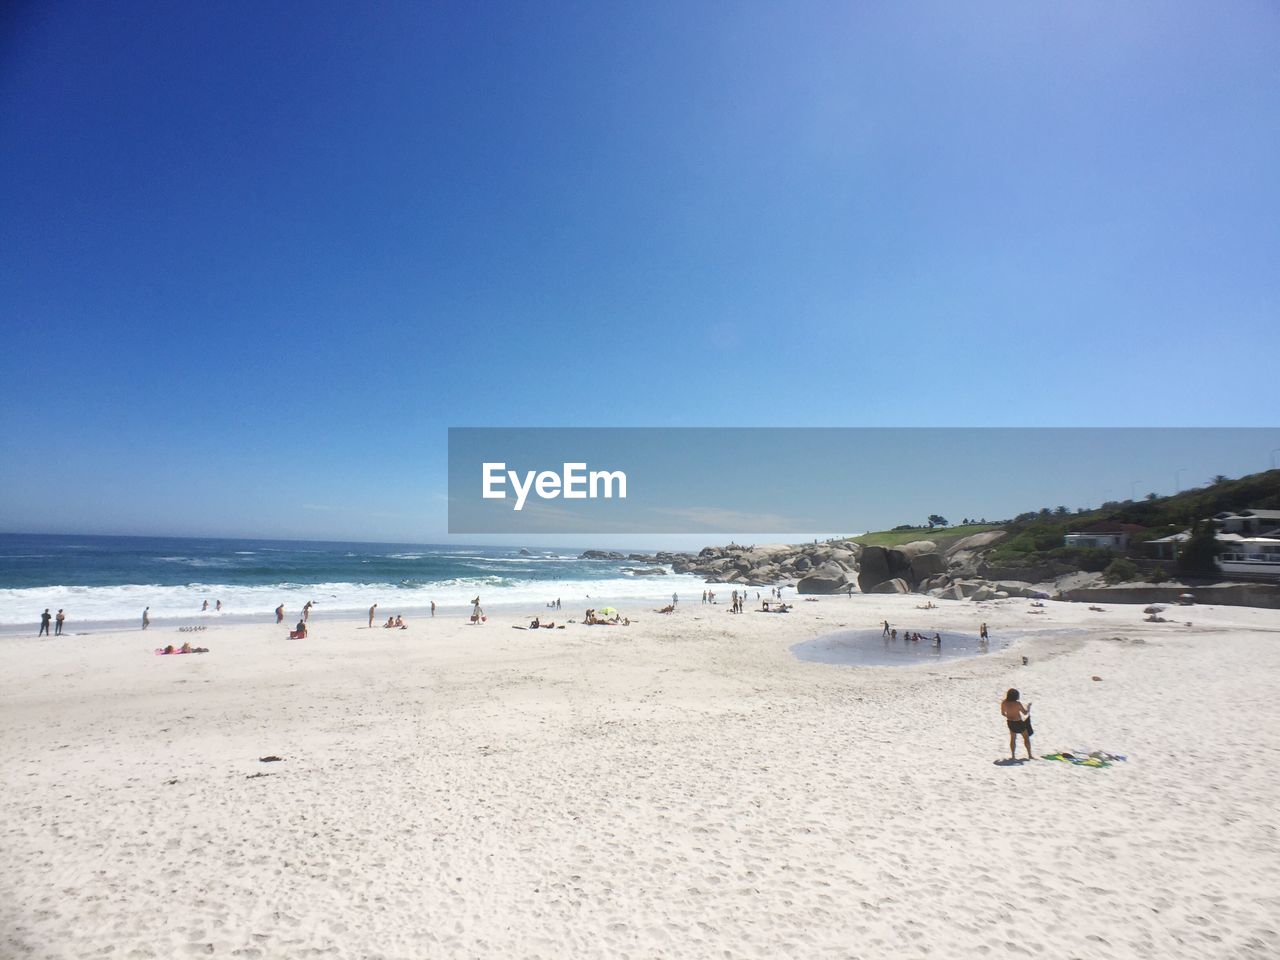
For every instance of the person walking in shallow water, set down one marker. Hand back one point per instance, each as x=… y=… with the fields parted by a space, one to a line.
x=44 y=623
x=1018 y=718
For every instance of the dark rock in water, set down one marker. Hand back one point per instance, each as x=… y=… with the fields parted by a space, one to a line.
x=525 y=553
x=645 y=571
x=601 y=555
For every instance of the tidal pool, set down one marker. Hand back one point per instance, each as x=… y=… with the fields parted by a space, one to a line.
x=870 y=648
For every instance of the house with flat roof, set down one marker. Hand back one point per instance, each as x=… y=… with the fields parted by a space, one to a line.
x=1248 y=543
x=1249 y=523
x=1104 y=535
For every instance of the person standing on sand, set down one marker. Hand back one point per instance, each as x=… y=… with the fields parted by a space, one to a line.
x=373 y=612
x=57 y=623
x=44 y=623
x=674 y=599
x=146 y=618
x=306 y=611
x=885 y=631
x=1018 y=717
x=280 y=614
x=433 y=608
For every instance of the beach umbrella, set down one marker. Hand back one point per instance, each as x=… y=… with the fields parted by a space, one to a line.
x=607 y=612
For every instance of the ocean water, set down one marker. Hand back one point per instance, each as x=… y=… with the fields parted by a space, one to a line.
x=109 y=580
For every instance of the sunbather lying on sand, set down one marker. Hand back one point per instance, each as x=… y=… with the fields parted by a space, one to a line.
x=185 y=648
x=669 y=608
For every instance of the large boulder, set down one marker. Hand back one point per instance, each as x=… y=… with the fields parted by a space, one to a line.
x=977 y=541
x=895 y=585
x=926 y=565
x=917 y=547
x=873 y=568
x=823 y=585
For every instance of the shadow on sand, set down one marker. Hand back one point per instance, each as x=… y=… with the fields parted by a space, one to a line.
x=1006 y=762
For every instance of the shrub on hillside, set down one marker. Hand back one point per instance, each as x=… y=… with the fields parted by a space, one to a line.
x=1120 y=570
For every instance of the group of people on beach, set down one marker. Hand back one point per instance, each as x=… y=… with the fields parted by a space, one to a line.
x=217 y=606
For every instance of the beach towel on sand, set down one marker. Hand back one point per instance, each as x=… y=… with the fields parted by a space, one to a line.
x=1086 y=758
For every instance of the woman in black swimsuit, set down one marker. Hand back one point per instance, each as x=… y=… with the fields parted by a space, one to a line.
x=1018 y=717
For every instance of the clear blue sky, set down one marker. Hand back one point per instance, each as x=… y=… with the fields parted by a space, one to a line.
x=256 y=258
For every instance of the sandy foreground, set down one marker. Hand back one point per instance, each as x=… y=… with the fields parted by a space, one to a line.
x=683 y=787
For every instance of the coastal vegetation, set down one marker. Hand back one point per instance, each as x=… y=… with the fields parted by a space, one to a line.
x=1035 y=540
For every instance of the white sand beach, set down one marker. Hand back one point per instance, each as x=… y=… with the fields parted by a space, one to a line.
x=683 y=787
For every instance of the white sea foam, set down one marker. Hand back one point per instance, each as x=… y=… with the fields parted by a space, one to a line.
x=125 y=603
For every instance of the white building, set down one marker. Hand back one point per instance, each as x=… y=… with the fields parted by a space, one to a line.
x=1249 y=523
x=1106 y=535
x=1248 y=543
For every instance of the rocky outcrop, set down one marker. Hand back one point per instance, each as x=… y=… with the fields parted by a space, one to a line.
x=645 y=571
x=965 y=556
x=834 y=561
x=600 y=555
x=912 y=563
